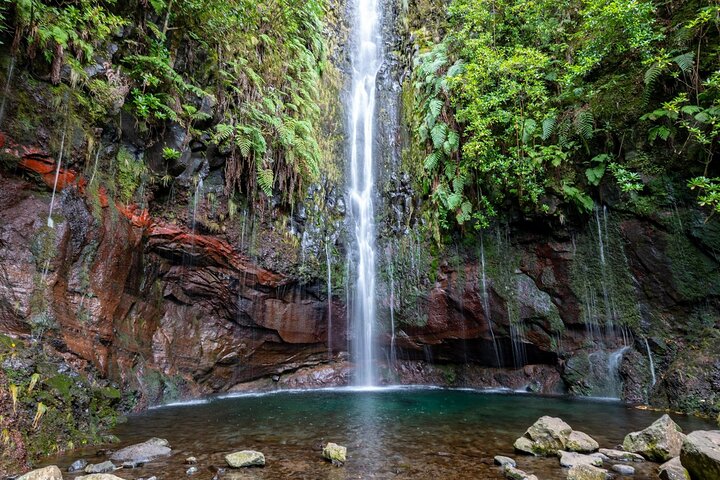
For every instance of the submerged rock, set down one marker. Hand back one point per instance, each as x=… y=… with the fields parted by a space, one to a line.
x=624 y=469
x=103 y=467
x=587 y=472
x=99 y=476
x=581 y=442
x=245 y=458
x=659 y=442
x=335 y=453
x=77 y=466
x=673 y=470
x=700 y=454
x=517 y=474
x=621 y=455
x=48 y=473
x=571 y=459
x=502 y=461
x=546 y=436
x=143 y=452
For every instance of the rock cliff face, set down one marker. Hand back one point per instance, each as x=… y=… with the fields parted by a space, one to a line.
x=175 y=297
x=168 y=311
x=151 y=305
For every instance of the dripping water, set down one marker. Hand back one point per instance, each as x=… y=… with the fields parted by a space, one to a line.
x=6 y=91
x=329 y=297
x=486 y=303
x=652 y=363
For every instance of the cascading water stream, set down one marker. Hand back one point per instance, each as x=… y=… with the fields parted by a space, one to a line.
x=366 y=62
x=329 y=297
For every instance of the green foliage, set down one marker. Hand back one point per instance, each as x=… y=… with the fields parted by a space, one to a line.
x=131 y=172
x=545 y=100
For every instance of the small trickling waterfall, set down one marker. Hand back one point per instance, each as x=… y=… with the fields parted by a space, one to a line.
x=329 y=296
x=605 y=372
x=652 y=363
x=6 y=90
x=391 y=268
x=486 y=303
x=366 y=62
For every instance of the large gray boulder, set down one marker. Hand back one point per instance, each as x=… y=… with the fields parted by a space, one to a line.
x=143 y=452
x=48 y=473
x=700 y=455
x=571 y=459
x=673 y=470
x=587 y=472
x=659 y=442
x=245 y=458
x=581 y=442
x=545 y=437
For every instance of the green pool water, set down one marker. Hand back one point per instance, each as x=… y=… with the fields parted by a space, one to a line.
x=404 y=433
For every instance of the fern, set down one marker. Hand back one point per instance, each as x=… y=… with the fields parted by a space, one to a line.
x=548 y=127
x=265 y=179
x=435 y=106
x=686 y=62
x=584 y=124
x=439 y=134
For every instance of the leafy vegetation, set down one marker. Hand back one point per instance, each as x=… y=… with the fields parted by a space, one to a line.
x=242 y=74
x=537 y=106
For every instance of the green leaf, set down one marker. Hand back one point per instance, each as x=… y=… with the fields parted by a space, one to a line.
x=439 y=134
x=595 y=174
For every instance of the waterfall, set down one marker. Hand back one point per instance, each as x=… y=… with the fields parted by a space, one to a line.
x=329 y=296
x=365 y=62
x=486 y=303
x=652 y=363
x=393 y=354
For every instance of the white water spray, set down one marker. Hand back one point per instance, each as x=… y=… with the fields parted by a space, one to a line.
x=366 y=62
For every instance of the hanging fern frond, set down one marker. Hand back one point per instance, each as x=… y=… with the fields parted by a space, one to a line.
x=686 y=62
x=265 y=179
x=585 y=124
x=548 y=127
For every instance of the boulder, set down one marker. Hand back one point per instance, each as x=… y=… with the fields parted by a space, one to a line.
x=673 y=470
x=700 y=454
x=77 y=466
x=659 y=442
x=621 y=455
x=143 y=452
x=587 y=472
x=516 y=474
x=335 y=453
x=48 y=473
x=502 y=461
x=624 y=469
x=245 y=458
x=581 y=442
x=546 y=436
x=103 y=467
x=571 y=459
